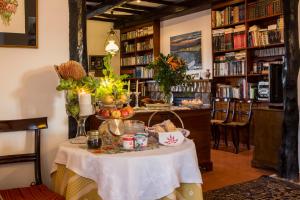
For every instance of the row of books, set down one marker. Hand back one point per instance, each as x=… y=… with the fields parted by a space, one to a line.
x=138 y=72
x=229 y=91
x=228 y=39
x=128 y=61
x=263 y=8
x=128 y=48
x=229 y=15
x=265 y=36
x=263 y=67
x=231 y=64
x=277 y=51
x=148 y=44
x=148 y=30
x=144 y=59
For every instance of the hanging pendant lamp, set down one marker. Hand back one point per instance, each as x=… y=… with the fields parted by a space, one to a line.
x=111 y=43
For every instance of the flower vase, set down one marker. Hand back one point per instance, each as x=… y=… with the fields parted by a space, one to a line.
x=168 y=98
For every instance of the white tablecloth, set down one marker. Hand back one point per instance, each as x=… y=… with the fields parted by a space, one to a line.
x=145 y=175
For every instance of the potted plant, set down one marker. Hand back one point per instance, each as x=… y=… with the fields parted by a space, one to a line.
x=169 y=71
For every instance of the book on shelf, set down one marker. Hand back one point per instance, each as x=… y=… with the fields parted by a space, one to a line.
x=144 y=59
x=252 y=91
x=142 y=72
x=263 y=67
x=229 y=15
x=230 y=64
x=273 y=34
x=228 y=39
x=264 y=8
x=148 y=30
x=277 y=51
x=128 y=61
x=128 y=48
x=230 y=91
x=145 y=45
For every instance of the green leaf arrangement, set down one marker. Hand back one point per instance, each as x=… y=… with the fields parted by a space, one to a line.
x=169 y=71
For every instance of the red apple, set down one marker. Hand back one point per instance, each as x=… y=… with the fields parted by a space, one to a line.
x=129 y=110
x=124 y=113
x=105 y=113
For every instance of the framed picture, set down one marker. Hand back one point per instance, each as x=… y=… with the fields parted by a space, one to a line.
x=96 y=64
x=188 y=47
x=19 y=23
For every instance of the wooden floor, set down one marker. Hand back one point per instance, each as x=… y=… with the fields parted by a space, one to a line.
x=230 y=168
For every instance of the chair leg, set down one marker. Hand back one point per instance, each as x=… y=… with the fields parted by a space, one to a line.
x=233 y=135
x=218 y=136
x=248 y=137
x=237 y=140
x=214 y=135
x=225 y=136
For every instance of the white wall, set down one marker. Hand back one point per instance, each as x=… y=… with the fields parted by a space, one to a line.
x=200 y=21
x=96 y=37
x=27 y=89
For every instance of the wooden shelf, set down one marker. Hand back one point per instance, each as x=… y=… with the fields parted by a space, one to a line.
x=227 y=3
x=228 y=51
x=144 y=51
x=267 y=46
x=231 y=76
x=137 y=38
x=229 y=25
x=128 y=53
x=257 y=75
x=264 y=18
x=130 y=66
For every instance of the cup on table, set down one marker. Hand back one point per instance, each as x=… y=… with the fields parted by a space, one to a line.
x=140 y=140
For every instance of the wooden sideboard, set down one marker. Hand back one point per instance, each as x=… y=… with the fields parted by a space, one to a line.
x=267 y=128
x=197 y=121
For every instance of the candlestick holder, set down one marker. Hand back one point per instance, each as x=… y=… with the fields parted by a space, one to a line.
x=136 y=99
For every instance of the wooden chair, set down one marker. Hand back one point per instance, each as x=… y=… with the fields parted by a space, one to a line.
x=241 y=119
x=219 y=115
x=37 y=191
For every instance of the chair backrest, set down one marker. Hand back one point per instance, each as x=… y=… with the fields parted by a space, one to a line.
x=220 y=108
x=243 y=111
x=34 y=124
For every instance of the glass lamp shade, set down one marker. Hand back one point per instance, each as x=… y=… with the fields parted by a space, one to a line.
x=111 y=47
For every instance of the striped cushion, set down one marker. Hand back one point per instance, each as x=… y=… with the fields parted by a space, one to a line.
x=37 y=192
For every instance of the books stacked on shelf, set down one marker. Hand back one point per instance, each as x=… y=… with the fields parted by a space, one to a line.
x=142 y=72
x=144 y=59
x=128 y=61
x=264 y=8
x=229 y=91
x=265 y=36
x=252 y=91
x=128 y=35
x=148 y=30
x=231 y=64
x=145 y=45
x=263 y=67
x=128 y=48
x=229 y=39
x=277 y=51
x=129 y=72
x=229 y=15
x=239 y=38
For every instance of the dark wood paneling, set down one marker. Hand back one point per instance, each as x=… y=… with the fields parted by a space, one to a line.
x=197 y=121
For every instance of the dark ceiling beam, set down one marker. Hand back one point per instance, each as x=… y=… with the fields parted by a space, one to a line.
x=126 y=10
x=162 y=2
x=165 y=13
x=115 y=16
x=102 y=19
x=137 y=7
x=104 y=6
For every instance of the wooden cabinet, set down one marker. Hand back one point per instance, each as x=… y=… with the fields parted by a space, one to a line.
x=267 y=128
x=197 y=121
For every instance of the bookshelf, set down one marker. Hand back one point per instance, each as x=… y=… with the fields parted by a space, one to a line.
x=139 y=46
x=247 y=37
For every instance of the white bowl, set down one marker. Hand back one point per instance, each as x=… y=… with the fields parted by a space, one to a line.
x=171 y=138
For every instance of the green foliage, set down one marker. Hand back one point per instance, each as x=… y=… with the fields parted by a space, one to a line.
x=169 y=71
x=110 y=84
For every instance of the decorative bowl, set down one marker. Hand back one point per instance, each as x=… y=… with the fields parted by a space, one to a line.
x=114 y=111
x=171 y=138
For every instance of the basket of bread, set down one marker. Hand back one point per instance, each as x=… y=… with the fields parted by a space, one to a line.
x=167 y=133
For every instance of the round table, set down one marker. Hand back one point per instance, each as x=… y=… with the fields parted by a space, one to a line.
x=138 y=175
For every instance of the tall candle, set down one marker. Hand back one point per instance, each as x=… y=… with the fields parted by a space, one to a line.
x=85 y=104
x=137 y=86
